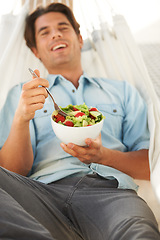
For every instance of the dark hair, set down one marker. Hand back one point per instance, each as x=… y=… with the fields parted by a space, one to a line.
x=29 y=33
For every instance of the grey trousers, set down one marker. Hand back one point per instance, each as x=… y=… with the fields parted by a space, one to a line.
x=76 y=208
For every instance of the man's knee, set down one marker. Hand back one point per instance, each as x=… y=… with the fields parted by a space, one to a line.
x=136 y=228
x=16 y=223
x=5 y=177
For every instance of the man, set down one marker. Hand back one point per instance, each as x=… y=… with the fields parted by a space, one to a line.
x=67 y=191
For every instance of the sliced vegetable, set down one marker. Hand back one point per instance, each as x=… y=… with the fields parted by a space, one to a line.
x=78 y=116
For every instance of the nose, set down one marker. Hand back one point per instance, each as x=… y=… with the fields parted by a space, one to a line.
x=56 y=33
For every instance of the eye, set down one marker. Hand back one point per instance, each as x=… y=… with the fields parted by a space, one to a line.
x=44 y=33
x=63 y=28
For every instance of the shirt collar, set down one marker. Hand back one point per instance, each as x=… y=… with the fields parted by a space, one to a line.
x=91 y=79
x=54 y=78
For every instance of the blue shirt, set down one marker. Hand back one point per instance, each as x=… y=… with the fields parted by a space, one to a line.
x=125 y=126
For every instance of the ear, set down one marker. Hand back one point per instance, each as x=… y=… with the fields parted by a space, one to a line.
x=35 y=52
x=80 y=41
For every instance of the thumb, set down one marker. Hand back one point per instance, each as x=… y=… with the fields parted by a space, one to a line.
x=94 y=143
x=89 y=142
x=37 y=72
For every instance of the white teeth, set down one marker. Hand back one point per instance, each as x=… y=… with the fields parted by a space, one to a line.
x=59 y=46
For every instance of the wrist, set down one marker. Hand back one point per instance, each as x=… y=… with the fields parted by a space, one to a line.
x=19 y=121
x=103 y=155
x=107 y=156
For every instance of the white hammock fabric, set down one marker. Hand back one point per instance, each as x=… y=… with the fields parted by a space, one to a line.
x=108 y=52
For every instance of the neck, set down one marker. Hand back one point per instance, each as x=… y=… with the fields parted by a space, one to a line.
x=71 y=75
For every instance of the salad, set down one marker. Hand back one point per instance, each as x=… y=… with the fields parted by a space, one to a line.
x=78 y=116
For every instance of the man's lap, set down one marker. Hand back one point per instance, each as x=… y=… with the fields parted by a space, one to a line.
x=80 y=208
x=110 y=213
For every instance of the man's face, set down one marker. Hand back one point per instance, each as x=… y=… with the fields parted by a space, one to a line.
x=57 y=44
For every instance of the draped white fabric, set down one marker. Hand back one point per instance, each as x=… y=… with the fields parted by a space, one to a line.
x=109 y=51
x=15 y=58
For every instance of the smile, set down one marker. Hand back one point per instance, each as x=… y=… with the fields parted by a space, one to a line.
x=59 y=46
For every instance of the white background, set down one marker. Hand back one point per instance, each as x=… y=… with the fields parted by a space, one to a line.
x=143 y=16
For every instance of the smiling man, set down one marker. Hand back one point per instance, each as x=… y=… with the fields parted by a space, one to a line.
x=50 y=190
x=57 y=45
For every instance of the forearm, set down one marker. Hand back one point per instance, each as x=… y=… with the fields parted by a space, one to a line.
x=135 y=164
x=17 y=155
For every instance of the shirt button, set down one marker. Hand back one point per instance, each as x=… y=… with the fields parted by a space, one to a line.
x=114 y=110
x=73 y=90
x=45 y=111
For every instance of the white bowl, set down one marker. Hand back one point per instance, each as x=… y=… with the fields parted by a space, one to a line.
x=76 y=135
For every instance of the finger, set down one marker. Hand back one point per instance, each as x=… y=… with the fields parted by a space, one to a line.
x=31 y=109
x=35 y=83
x=80 y=150
x=36 y=100
x=93 y=143
x=34 y=92
x=37 y=72
x=72 y=149
x=68 y=150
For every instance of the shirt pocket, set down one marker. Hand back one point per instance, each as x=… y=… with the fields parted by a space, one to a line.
x=113 y=122
x=45 y=111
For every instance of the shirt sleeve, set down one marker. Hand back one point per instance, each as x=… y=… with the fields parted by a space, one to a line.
x=7 y=114
x=135 y=125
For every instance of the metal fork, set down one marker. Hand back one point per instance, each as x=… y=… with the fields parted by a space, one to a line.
x=50 y=94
